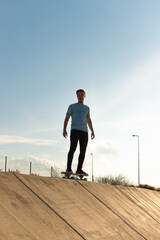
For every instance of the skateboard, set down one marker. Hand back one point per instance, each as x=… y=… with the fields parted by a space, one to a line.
x=71 y=176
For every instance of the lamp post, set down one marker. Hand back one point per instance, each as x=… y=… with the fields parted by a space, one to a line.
x=138 y=159
x=92 y=168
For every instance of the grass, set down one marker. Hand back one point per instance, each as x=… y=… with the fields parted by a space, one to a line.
x=115 y=180
x=123 y=181
x=13 y=171
x=146 y=186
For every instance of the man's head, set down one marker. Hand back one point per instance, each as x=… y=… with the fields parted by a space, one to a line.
x=80 y=95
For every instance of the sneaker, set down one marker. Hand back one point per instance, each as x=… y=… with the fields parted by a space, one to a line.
x=81 y=172
x=69 y=171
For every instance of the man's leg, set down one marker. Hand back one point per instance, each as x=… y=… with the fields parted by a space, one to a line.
x=73 y=145
x=83 y=141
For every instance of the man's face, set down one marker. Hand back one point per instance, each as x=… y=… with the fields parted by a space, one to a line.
x=80 y=97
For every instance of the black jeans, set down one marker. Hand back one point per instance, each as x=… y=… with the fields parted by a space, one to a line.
x=82 y=137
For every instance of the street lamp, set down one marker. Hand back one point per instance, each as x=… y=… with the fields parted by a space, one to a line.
x=138 y=159
x=92 y=168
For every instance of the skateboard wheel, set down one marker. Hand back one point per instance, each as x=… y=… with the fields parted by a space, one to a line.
x=85 y=179
x=72 y=177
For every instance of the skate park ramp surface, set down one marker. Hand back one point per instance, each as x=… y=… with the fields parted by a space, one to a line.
x=38 y=208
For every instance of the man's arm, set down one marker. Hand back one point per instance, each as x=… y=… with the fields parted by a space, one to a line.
x=65 y=126
x=89 y=121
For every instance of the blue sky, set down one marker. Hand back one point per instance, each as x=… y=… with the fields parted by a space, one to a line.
x=49 y=49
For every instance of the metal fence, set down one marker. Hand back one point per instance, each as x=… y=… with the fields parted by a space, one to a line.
x=28 y=167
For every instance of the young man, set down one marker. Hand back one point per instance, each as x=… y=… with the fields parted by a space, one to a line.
x=79 y=131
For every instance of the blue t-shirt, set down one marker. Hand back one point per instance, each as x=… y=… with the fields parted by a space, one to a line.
x=79 y=114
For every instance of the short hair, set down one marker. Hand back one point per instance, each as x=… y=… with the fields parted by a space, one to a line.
x=82 y=91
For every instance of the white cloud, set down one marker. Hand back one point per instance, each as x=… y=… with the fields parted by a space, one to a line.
x=45 y=160
x=104 y=147
x=105 y=154
x=44 y=130
x=6 y=139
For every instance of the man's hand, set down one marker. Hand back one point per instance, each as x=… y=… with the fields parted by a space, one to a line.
x=65 y=126
x=92 y=135
x=89 y=121
x=65 y=133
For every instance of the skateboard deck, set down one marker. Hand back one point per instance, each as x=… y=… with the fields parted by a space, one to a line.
x=67 y=175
